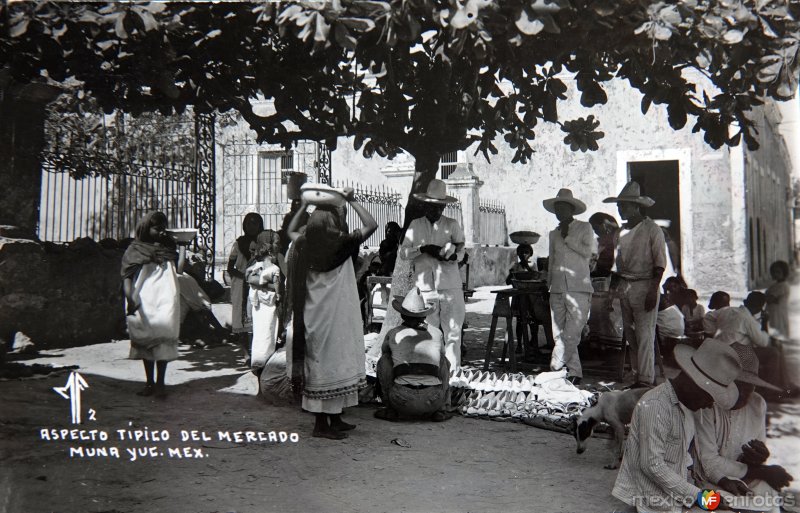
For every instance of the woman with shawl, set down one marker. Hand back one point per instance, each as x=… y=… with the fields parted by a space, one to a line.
x=240 y=258
x=328 y=340
x=152 y=294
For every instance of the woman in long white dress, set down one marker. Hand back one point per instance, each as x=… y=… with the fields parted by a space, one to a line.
x=328 y=335
x=150 y=268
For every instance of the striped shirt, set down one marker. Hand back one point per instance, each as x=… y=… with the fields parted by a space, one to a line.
x=654 y=471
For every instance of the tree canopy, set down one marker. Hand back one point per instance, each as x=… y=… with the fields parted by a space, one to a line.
x=423 y=76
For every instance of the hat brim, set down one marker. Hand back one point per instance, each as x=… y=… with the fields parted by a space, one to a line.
x=749 y=377
x=397 y=304
x=725 y=396
x=421 y=196
x=644 y=201
x=550 y=204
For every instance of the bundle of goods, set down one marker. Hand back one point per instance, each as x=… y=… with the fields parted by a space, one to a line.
x=546 y=400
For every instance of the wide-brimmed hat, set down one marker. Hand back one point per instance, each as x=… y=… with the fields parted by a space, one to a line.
x=413 y=305
x=632 y=193
x=564 y=196
x=749 y=361
x=714 y=366
x=436 y=193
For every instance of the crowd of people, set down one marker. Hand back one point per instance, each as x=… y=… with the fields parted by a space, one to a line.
x=295 y=292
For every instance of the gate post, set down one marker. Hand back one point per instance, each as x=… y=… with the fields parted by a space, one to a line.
x=205 y=205
x=22 y=109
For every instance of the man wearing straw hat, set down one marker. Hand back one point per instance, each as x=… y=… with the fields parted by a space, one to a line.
x=435 y=244
x=413 y=372
x=640 y=261
x=653 y=476
x=572 y=245
x=730 y=443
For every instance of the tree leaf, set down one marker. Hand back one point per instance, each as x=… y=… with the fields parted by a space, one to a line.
x=528 y=26
x=358 y=24
x=20 y=28
x=733 y=36
x=647 y=100
x=148 y=20
x=676 y=115
x=119 y=27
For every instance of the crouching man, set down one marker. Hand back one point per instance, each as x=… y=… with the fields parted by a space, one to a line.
x=654 y=475
x=413 y=372
x=732 y=453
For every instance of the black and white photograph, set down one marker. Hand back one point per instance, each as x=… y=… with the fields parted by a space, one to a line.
x=400 y=256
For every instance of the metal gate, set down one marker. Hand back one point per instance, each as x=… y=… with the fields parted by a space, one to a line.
x=255 y=179
x=113 y=194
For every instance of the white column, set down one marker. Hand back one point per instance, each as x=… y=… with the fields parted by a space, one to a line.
x=465 y=185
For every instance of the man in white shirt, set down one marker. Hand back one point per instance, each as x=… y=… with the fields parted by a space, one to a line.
x=572 y=246
x=740 y=324
x=730 y=444
x=640 y=260
x=435 y=244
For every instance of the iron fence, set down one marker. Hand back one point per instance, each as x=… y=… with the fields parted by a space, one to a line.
x=453 y=210
x=109 y=206
x=113 y=191
x=493 y=229
x=383 y=203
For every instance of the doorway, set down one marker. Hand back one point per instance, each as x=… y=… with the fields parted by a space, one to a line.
x=660 y=180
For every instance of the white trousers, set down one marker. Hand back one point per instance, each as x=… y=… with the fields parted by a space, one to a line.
x=570 y=312
x=448 y=315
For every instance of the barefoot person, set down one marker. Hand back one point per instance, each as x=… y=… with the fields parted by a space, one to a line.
x=327 y=333
x=150 y=268
x=413 y=371
x=572 y=246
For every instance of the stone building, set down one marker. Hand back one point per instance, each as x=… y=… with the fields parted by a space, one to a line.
x=729 y=208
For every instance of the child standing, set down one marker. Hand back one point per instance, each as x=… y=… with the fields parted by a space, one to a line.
x=152 y=294
x=241 y=255
x=264 y=276
x=692 y=312
x=778 y=297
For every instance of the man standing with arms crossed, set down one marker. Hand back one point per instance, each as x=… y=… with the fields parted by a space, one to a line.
x=640 y=261
x=572 y=245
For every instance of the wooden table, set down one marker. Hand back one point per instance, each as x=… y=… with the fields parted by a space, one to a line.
x=502 y=308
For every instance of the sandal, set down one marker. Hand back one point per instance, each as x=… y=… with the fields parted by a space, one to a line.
x=342 y=426
x=161 y=391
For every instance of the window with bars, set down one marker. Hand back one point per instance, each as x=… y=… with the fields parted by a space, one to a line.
x=447 y=165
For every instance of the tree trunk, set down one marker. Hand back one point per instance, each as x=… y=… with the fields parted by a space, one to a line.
x=426 y=167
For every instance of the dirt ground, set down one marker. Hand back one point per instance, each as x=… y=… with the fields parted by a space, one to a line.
x=462 y=465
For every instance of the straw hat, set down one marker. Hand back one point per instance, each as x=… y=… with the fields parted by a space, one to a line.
x=436 y=193
x=412 y=305
x=564 y=196
x=714 y=367
x=631 y=193
x=749 y=360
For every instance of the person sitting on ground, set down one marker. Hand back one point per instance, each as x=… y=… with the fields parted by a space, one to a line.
x=730 y=443
x=719 y=300
x=740 y=324
x=653 y=475
x=388 y=248
x=670 y=321
x=413 y=372
x=692 y=312
x=778 y=298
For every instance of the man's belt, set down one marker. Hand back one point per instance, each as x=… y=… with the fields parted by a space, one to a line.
x=419 y=369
